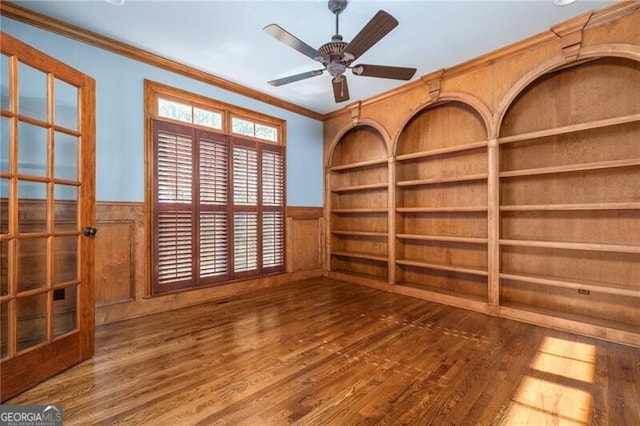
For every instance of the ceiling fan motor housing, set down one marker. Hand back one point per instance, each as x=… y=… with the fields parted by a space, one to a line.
x=333 y=56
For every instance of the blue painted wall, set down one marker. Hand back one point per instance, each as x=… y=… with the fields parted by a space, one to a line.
x=120 y=118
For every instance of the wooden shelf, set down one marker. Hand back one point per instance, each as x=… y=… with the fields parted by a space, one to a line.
x=358 y=211
x=572 y=168
x=361 y=234
x=441 y=295
x=571 y=129
x=441 y=151
x=611 y=248
x=360 y=256
x=360 y=165
x=442 y=267
x=441 y=209
x=355 y=188
x=435 y=181
x=573 y=284
x=472 y=240
x=621 y=332
x=569 y=207
x=375 y=281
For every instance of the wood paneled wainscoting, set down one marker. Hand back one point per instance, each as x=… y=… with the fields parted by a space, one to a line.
x=122 y=286
x=322 y=352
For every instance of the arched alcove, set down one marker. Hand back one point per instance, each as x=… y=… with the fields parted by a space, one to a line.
x=358 y=198
x=441 y=204
x=570 y=197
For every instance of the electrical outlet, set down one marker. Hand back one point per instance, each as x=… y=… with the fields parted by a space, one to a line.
x=58 y=294
x=584 y=292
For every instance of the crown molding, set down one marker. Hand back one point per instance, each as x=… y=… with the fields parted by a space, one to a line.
x=44 y=22
x=584 y=21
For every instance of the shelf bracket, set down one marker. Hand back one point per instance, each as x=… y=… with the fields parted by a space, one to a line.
x=570 y=34
x=432 y=81
x=355 y=110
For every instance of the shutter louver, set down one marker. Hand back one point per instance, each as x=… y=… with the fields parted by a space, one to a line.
x=175 y=167
x=245 y=242
x=214 y=244
x=213 y=172
x=175 y=246
x=245 y=176
x=272 y=178
x=272 y=239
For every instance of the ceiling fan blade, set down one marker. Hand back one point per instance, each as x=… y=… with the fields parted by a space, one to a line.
x=340 y=89
x=382 y=71
x=378 y=27
x=297 y=77
x=278 y=33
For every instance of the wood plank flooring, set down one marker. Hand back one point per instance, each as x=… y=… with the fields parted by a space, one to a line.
x=323 y=352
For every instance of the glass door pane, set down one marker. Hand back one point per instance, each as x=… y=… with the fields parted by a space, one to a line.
x=32 y=321
x=4 y=81
x=66 y=102
x=64 y=310
x=4 y=144
x=32 y=92
x=65 y=163
x=32 y=263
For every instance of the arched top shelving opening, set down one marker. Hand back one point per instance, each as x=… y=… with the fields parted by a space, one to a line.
x=569 y=197
x=596 y=92
x=441 y=126
x=359 y=144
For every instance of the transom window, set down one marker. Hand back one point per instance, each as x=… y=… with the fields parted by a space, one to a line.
x=217 y=193
x=244 y=127
x=189 y=114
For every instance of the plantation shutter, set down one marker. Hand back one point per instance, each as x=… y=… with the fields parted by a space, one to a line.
x=174 y=248
x=219 y=207
x=273 y=210
x=245 y=206
x=213 y=217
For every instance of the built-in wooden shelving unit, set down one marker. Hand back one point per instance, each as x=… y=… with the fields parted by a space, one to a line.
x=358 y=195
x=512 y=185
x=570 y=200
x=441 y=184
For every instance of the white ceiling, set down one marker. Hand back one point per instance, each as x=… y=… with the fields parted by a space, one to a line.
x=225 y=38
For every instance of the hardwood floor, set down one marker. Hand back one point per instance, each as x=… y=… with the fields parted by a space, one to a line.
x=326 y=352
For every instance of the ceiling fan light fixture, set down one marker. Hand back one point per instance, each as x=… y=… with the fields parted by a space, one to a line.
x=336 y=69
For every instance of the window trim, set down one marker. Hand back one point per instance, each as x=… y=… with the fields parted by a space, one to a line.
x=152 y=92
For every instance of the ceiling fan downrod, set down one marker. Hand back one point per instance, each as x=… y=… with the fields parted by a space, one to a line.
x=337 y=7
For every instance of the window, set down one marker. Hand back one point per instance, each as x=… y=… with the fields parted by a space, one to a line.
x=218 y=196
x=189 y=114
x=244 y=127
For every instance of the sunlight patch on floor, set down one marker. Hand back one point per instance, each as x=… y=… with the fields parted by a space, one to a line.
x=542 y=402
x=538 y=401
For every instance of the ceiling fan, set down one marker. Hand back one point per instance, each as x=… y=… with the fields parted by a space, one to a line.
x=337 y=55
